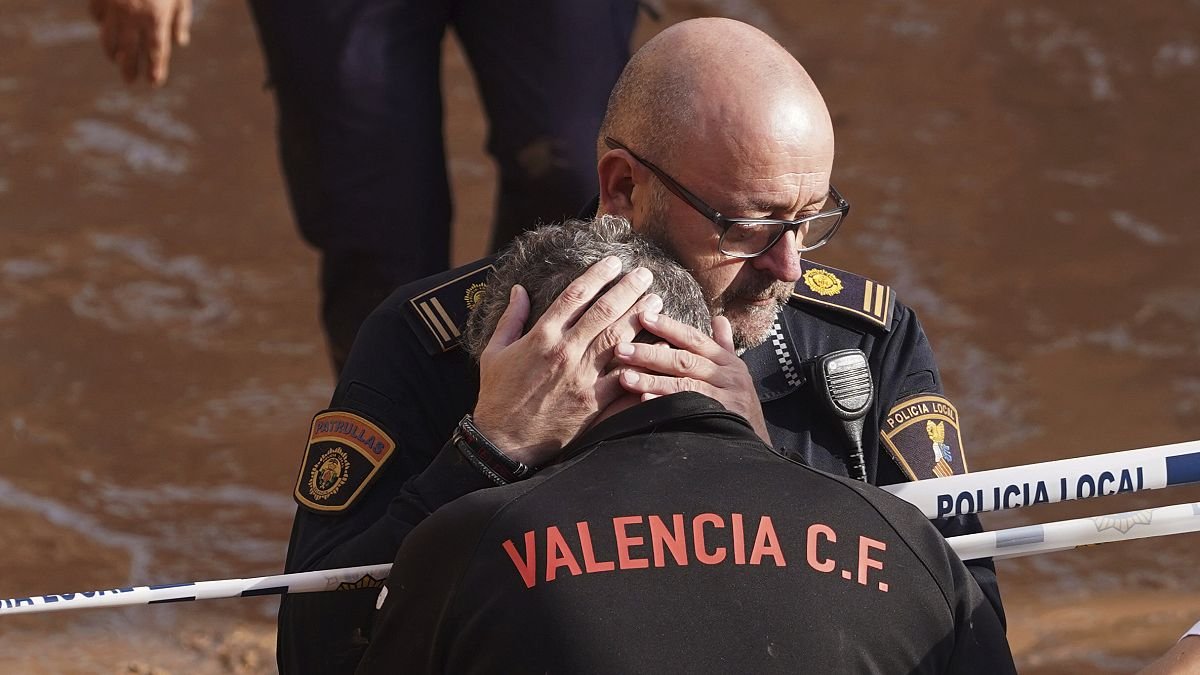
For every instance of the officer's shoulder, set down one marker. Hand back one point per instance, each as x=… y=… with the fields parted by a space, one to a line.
x=861 y=501
x=436 y=307
x=829 y=293
x=846 y=495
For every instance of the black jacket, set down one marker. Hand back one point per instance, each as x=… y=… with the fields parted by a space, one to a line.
x=407 y=382
x=673 y=540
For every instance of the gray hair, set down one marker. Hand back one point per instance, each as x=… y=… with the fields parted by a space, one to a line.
x=544 y=261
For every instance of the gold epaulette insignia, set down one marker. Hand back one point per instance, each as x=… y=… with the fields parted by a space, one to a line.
x=830 y=287
x=443 y=310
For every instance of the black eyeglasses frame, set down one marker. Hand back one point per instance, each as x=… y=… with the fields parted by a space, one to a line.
x=724 y=223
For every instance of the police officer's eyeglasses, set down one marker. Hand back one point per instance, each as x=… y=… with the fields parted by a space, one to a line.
x=752 y=237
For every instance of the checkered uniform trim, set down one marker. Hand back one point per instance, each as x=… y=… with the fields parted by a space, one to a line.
x=783 y=352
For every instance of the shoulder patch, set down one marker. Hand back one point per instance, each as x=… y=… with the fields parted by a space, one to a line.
x=345 y=451
x=830 y=287
x=921 y=433
x=439 y=314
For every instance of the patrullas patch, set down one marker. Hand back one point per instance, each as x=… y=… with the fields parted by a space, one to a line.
x=345 y=451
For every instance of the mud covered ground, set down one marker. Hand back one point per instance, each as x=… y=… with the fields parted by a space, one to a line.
x=1022 y=174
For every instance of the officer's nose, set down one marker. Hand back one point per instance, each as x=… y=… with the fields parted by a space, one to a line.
x=782 y=260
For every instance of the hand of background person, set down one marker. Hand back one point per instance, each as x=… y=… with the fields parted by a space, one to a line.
x=137 y=34
x=539 y=390
x=695 y=362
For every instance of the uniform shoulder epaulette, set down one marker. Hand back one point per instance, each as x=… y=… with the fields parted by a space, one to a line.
x=438 y=313
x=845 y=292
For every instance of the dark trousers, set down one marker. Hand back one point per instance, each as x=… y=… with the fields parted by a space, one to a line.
x=357 y=83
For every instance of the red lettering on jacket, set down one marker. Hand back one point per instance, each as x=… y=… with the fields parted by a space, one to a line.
x=815 y=530
x=590 y=564
x=625 y=542
x=674 y=540
x=526 y=564
x=865 y=544
x=739 y=539
x=668 y=538
x=558 y=554
x=702 y=553
x=766 y=544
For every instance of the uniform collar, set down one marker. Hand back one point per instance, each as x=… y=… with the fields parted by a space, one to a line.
x=775 y=364
x=701 y=414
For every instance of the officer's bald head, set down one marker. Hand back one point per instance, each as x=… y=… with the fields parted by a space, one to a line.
x=707 y=81
x=544 y=261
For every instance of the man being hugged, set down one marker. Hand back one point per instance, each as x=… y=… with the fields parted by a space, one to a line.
x=669 y=537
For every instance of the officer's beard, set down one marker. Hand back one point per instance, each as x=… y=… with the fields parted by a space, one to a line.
x=751 y=306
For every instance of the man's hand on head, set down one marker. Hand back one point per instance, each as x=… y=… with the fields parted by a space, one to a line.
x=137 y=35
x=537 y=391
x=695 y=362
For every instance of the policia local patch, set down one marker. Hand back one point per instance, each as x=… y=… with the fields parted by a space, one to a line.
x=345 y=451
x=921 y=433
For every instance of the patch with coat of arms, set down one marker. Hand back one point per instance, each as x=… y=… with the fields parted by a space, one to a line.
x=345 y=451
x=922 y=435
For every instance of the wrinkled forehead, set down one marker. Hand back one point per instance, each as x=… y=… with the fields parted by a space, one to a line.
x=773 y=158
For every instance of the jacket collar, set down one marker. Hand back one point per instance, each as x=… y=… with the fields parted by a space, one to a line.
x=700 y=413
x=775 y=364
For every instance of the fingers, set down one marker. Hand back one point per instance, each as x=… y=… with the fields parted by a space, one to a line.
x=676 y=363
x=688 y=338
x=182 y=26
x=512 y=322
x=649 y=385
x=624 y=329
x=723 y=333
x=570 y=304
x=138 y=36
x=698 y=364
x=158 y=52
x=612 y=306
x=608 y=388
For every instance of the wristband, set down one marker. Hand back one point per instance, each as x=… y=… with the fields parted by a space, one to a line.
x=485 y=456
x=1194 y=631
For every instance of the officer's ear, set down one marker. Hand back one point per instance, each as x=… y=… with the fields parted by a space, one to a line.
x=616 y=170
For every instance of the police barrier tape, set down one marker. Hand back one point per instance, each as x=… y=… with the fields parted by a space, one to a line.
x=1010 y=543
x=996 y=489
x=1056 y=481
x=304 y=582
x=1067 y=534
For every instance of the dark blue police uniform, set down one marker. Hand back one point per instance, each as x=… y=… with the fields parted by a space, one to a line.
x=364 y=484
x=357 y=86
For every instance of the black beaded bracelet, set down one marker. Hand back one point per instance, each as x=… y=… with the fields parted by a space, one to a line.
x=485 y=456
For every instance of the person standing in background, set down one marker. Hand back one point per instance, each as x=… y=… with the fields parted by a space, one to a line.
x=358 y=92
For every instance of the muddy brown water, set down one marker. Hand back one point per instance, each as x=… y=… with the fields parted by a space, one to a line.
x=1023 y=174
